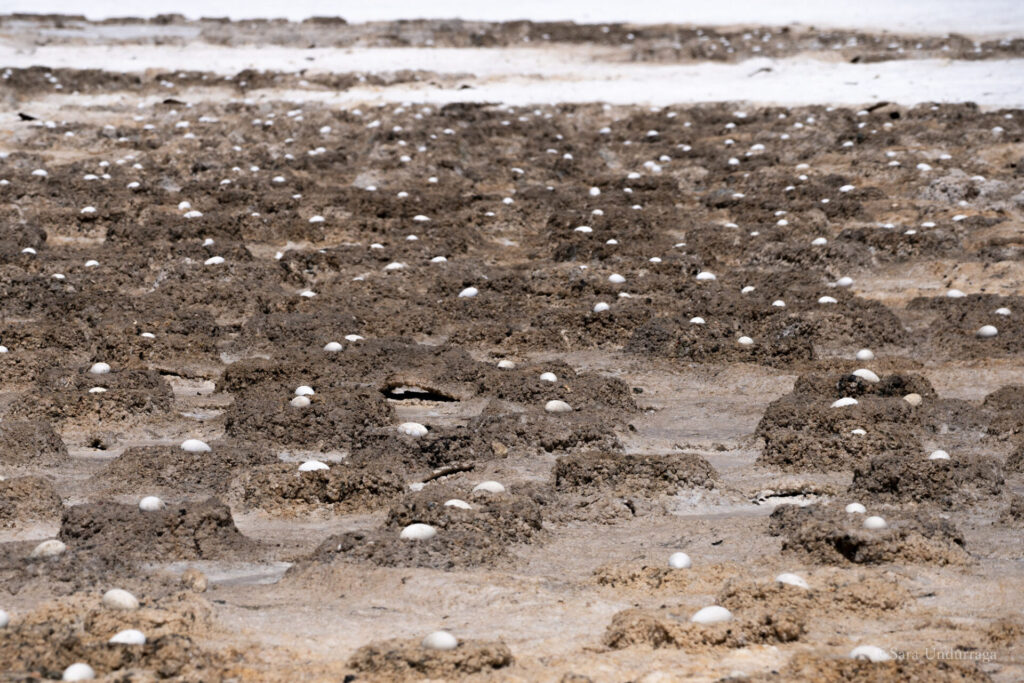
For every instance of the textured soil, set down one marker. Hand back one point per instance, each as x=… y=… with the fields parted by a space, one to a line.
x=207 y=236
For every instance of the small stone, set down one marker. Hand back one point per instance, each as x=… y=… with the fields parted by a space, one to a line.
x=714 y=614
x=557 y=406
x=116 y=598
x=440 y=640
x=418 y=532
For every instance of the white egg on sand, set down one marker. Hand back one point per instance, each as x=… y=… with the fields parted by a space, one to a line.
x=939 y=455
x=300 y=402
x=413 y=429
x=870 y=653
x=313 y=466
x=117 y=598
x=867 y=375
x=151 y=504
x=458 y=503
x=844 y=402
x=789 y=579
x=557 y=406
x=418 y=532
x=468 y=293
x=856 y=509
x=5 y=619
x=440 y=640
x=713 y=614
x=875 y=523
x=99 y=369
x=79 y=671
x=679 y=561
x=332 y=347
x=865 y=354
x=548 y=377
x=128 y=636
x=986 y=332
x=195 y=446
x=489 y=487
x=50 y=548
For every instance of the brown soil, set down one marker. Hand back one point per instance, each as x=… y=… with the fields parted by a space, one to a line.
x=400 y=660
x=28 y=499
x=898 y=478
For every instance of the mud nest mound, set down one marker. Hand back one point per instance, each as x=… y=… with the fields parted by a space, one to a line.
x=830 y=592
x=281 y=487
x=826 y=535
x=482 y=535
x=31 y=443
x=409 y=660
x=622 y=474
x=185 y=531
x=28 y=499
x=668 y=628
x=169 y=471
x=808 y=667
x=900 y=479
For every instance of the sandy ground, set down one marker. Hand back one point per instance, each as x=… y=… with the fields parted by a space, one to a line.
x=564 y=577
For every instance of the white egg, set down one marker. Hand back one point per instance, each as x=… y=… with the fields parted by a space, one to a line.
x=332 y=347
x=304 y=391
x=414 y=429
x=827 y=300
x=557 y=406
x=1002 y=311
x=844 y=282
x=468 y=293
x=955 y=294
x=300 y=402
x=147 y=335
x=986 y=331
x=79 y=671
x=913 y=399
x=418 y=532
x=870 y=653
x=214 y=261
x=705 y=275
x=98 y=390
x=748 y=289
x=858 y=431
x=856 y=509
x=307 y=293
x=440 y=640
x=866 y=375
x=548 y=377
x=439 y=259
x=679 y=561
x=313 y=466
x=506 y=365
x=843 y=402
x=99 y=369
x=713 y=614
x=779 y=303
x=791 y=580
x=195 y=446
x=489 y=487
x=4 y=619
x=697 y=320
x=50 y=548
x=745 y=341
x=117 y=598
x=457 y=503
x=353 y=338
x=819 y=241
x=865 y=354
x=616 y=279
x=939 y=455
x=151 y=504
x=193 y=214
x=128 y=636
x=875 y=523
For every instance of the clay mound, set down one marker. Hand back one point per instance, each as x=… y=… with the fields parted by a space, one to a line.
x=1015 y=461
x=664 y=579
x=624 y=475
x=28 y=499
x=539 y=432
x=171 y=472
x=483 y=535
x=62 y=396
x=332 y=421
x=672 y=628
x=952 y=332
x=281 y=487
x=803 y=433
x=902 y=479
x=827 y=535
x=409 y=660
x=831 y=386
x=31 y=442
x=1008 y=405
x=830 y=592
x=186 y=531
x=808 y=667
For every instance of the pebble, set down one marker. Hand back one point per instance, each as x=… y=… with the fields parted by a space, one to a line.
x=129 y=636
x=50 y=548
x=856 y=509
x=714 y=614
x=151 y=504
x=99 y=369
x=313 y=466
x=548 y=377
x=870 y=653
x=458 y=503
x=440 y=640
x=913 y=399
x=116 y=598
x=332 y=347
x=939 y=455
x=865 y=354
x=195 y=446
x=300 y=402
x=867 y=375
x=843 y=402
x=557 y=406
x=986 y=331
x=875 y=523
x=792 y=580
x=79 y=671
x=468 y=293
x=679 y=561
x=418 y=532
x=414 y=429
x=489 y=487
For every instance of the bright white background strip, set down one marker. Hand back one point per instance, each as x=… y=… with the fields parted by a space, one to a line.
x=1001 y=17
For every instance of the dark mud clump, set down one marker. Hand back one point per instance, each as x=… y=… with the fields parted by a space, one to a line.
x=834 y=591
x=31 y=443
x=803 y=432
x=28 y=499
x=408 y=660
x=627 y=475
x=281 y=487
x=173 y=473
x=482 y=535
x=808 y=667
x=825 y=535
x=186 y=531
x=901 y=479
x=666 y=628
x=1007 y=404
